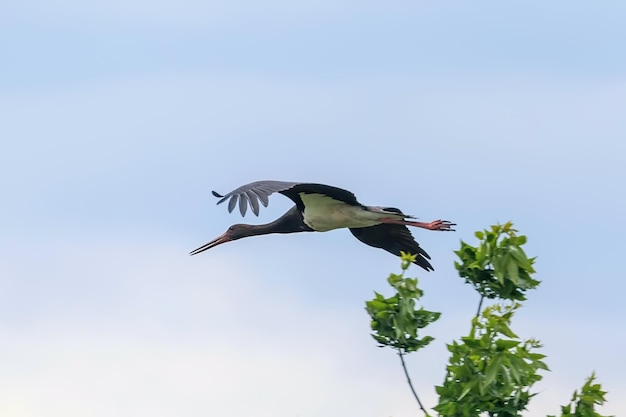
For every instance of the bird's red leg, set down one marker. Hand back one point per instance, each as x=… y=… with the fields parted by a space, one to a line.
x=441 y=225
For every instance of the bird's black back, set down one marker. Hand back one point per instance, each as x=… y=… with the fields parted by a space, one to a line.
x=335 y=193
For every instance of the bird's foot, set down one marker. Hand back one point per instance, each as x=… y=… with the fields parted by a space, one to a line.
x=441 y=225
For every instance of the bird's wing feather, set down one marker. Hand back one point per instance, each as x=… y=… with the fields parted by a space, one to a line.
x=335 y=193
x=393 y=238
x=261 y=190
x=252 y=193
x=338 y=194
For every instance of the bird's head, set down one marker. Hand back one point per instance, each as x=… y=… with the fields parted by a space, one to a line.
x=234 y=232
x=237 y=231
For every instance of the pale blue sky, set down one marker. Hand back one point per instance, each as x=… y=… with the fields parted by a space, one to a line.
x=118 y=118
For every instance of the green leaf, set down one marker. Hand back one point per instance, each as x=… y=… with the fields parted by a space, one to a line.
x=473 y=343
x=521 y=258
x=512 y=272
x=376 y=305
x=492 y=370
x=505 y=330
x=468 y=387
x=506 y=344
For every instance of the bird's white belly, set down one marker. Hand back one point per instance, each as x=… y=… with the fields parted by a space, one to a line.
x=322 y=213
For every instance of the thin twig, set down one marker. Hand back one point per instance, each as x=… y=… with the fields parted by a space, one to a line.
x=408 y=379
x=480 y=305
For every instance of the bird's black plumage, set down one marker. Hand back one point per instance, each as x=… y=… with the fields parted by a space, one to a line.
x=325 y=208
x=394 y=238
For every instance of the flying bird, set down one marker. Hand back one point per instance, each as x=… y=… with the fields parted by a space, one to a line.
x=320 y=208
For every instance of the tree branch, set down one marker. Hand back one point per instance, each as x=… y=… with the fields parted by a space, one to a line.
x=408 y=379
x=480 y=305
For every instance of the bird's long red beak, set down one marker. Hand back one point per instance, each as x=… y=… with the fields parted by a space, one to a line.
x=217 y=241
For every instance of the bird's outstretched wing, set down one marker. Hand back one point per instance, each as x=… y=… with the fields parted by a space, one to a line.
x=253 y=193
x=261 y=190
x=393 y=238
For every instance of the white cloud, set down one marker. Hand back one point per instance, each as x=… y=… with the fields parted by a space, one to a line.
x=139 y=328
x=108 y=375
x=175 y=336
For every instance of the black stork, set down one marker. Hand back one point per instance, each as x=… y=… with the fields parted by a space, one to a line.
x=320 y=208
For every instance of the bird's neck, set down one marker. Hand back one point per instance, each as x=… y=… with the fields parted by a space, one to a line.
x=290 y=222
